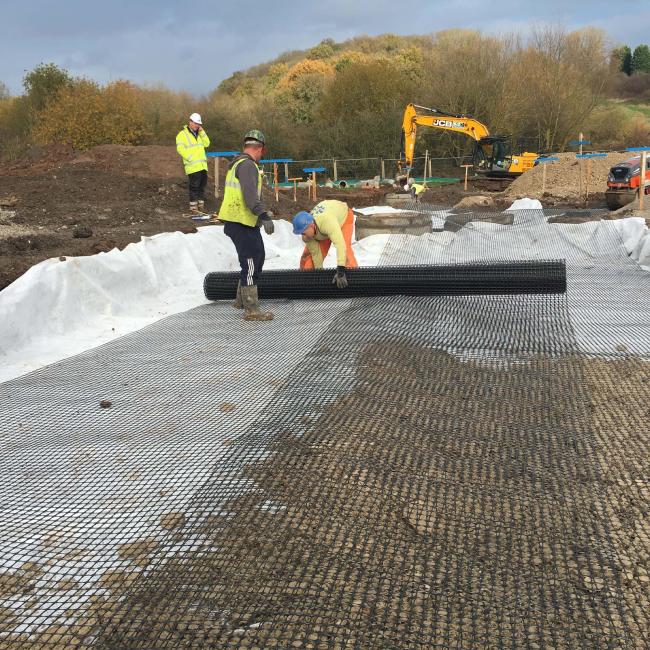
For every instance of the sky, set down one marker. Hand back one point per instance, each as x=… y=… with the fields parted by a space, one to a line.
x=195 y=44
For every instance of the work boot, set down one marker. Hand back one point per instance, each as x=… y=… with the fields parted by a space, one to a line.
x=201 y=205
x=238 y=304
x=252 y=305
x=194 y=207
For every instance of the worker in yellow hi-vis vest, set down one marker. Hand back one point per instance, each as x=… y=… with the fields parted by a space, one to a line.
x=243 y=214
x=191 y=143
x=417 y=189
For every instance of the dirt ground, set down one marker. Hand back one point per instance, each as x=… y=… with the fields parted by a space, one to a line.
x=59 y=202
x=396 y=530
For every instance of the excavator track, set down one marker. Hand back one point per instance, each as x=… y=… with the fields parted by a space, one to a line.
x=488 y=184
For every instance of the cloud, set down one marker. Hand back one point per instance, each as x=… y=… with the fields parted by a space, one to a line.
x=193 y=46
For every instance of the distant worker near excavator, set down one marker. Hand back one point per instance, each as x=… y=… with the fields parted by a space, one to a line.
x=417 y=190
x=191 y=143
x=329 y=222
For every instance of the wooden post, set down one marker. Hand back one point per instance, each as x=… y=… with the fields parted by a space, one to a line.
x=426 y=164
x=313 y=179
x=216 y=177
x=580 y=139
x=336 y=173
x=275 y=180
x=587 y=179
x=466 y=171
x=286 y=172
x=644 y=166
x=580 y=177
x=383 y=169
x=295 y=185
x=430 y=172
x=543 y=178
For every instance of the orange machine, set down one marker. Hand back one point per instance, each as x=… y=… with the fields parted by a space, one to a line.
x=492 y=155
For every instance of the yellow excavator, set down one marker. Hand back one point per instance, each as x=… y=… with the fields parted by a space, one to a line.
x=493 y=154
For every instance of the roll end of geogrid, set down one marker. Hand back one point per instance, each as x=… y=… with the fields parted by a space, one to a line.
x=499 y=278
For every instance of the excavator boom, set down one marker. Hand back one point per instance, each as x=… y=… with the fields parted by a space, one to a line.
x=414 y=116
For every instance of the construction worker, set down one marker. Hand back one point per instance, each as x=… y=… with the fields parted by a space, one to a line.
x=243 y=213
x=329 y=222
x=416 y=190
x=190 y=144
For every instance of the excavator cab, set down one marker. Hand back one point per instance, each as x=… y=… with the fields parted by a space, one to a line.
x=492 y=155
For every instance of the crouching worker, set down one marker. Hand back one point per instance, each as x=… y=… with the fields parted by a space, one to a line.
x=416 y=190
x=243 y=214
x=329 y=222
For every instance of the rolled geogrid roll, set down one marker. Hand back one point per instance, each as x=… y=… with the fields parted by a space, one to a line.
x=499 y=278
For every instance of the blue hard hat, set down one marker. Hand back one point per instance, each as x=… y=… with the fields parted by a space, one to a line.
x=301 y=222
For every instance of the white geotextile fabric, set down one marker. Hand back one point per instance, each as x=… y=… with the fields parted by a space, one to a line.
x=58 y=309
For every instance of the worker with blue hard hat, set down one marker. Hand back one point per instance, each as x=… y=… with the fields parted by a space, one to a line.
x=329 y=222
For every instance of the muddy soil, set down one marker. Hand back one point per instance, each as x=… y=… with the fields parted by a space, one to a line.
x=422 y=527
x=68 y=203
x=61 y=202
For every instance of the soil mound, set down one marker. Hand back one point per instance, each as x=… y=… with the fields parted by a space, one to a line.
x=568 y=180
x=150 y=161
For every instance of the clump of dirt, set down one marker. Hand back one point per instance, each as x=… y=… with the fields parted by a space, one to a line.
x=479 y=202
x=568 y=181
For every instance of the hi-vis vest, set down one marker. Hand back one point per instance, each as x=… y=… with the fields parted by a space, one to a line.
x=234 y=207
x=192 y=150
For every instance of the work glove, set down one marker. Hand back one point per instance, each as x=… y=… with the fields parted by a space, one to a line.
x=266 y=222
x=339 y=278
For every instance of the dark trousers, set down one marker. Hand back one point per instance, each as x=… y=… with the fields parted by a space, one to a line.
x=198 y=181
x=250 y=250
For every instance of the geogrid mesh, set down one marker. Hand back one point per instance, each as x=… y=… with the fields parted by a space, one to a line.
x=543 y=276
x=397 y=472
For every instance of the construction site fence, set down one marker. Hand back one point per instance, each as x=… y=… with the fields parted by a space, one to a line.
x=337 y=169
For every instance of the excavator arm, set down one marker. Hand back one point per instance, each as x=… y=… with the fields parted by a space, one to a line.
x=414 y=116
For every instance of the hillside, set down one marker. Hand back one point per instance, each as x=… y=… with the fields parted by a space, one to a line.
x=346 y=99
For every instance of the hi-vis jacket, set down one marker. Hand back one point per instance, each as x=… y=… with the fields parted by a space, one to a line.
x=329 y=215
x=192 y=150
x=234 y=206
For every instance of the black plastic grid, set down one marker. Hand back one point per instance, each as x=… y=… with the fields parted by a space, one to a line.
x=543 y=276
x=396 y=472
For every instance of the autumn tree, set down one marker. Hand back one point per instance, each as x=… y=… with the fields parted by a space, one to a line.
x=361 y=110
x=556 y=83
x=44 y=82
x=324 y=50
x=85 y=115
x=622 y=59
x=301 y=89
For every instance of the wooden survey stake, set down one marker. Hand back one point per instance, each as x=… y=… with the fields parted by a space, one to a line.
x=295 y=185
x=466 y=171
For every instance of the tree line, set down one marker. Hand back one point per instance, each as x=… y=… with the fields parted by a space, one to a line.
x=346 y=99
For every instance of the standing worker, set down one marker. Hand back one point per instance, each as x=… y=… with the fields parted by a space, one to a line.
x=190 y=144
x=329 y=222
x=243 y=214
